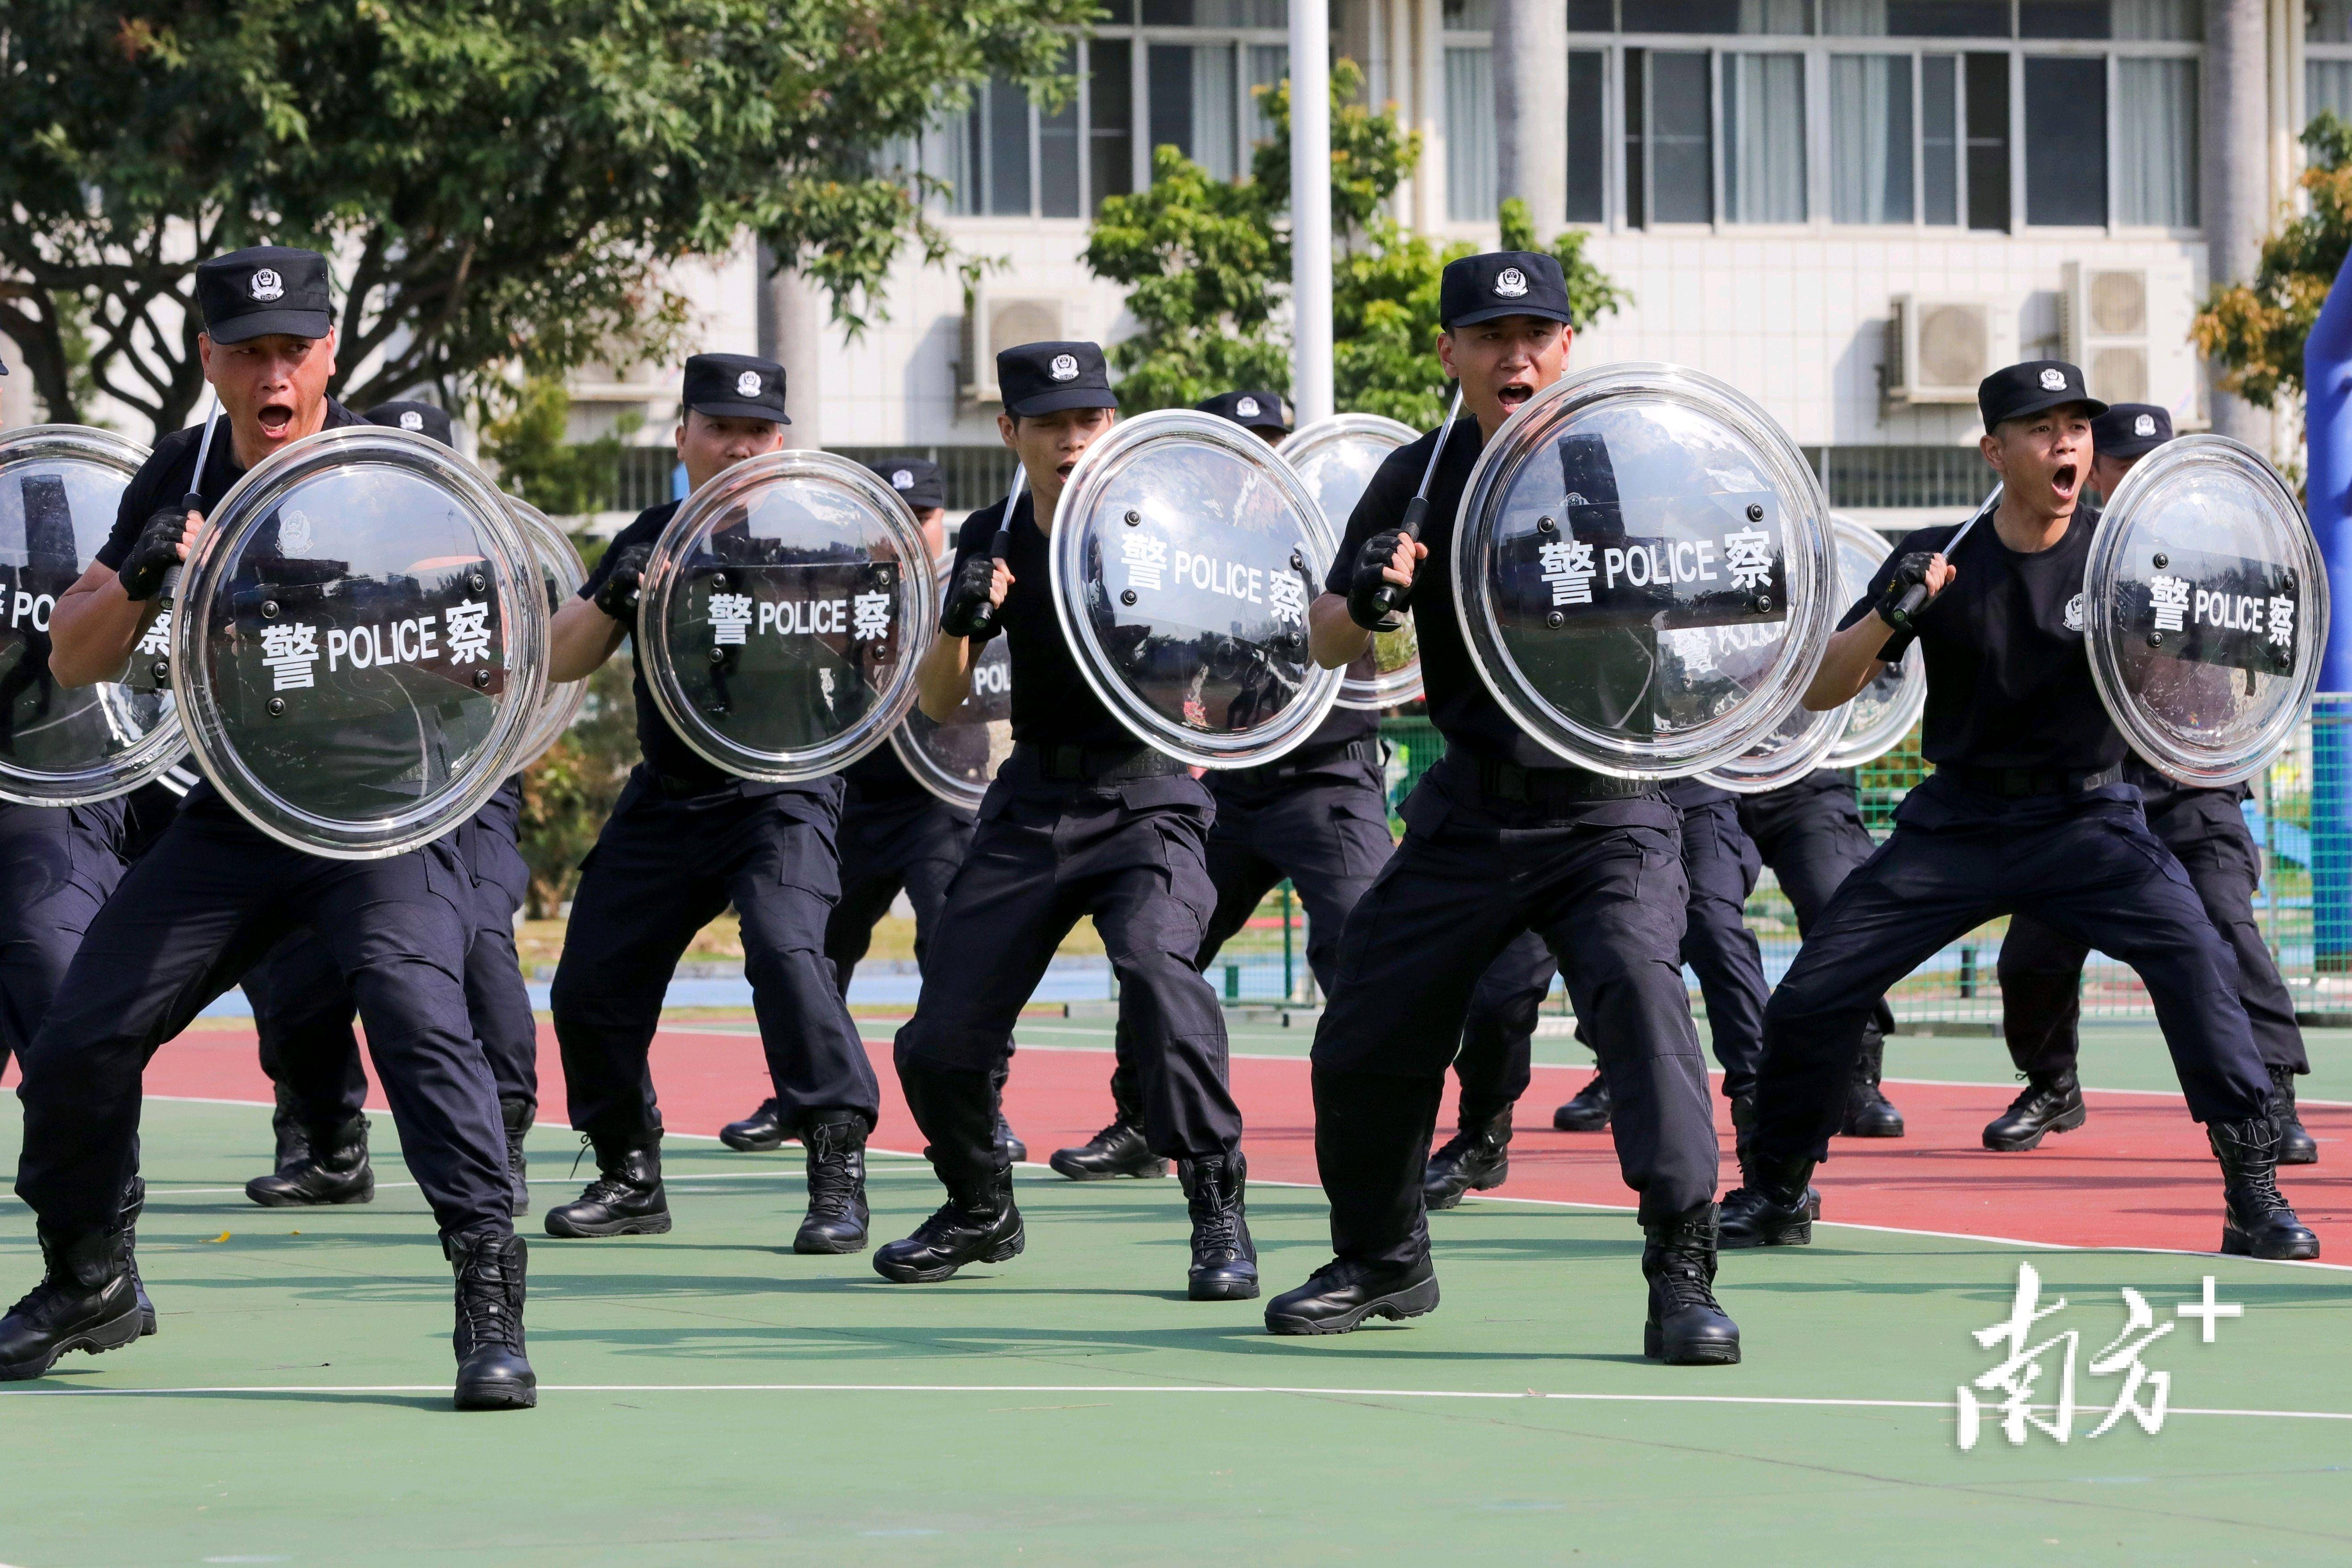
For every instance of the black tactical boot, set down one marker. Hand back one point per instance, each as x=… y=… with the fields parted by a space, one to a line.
x=1009 y=1146
x=517 y=1114
x=837 y=1183
x=1589 y=1111
x=2296 y=1147
x=1477 y=1158
x=625 y=1198
x=977 y=1224
x=293 y=1138
x=1769 y=1208
x=1868 y=1112
x=135 y=1204
x=1119 y=1150
x=758 y=1132
x=492 y=1373
x=336 y=1170
x=1224 y=1261
x=1339 y=1297
x=85 y=1301
x=1686 y=1326
x=2256 y=1221
x=1743 y=1127
x=2043 y=1107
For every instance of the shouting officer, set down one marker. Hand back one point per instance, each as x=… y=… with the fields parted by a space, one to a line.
x=2028 y=807
x=2042 y=970
x=1499 y=838
x=896 y=836
x=1082 y=819
x=214 y=894
x=303 y=1011
x=684 y=842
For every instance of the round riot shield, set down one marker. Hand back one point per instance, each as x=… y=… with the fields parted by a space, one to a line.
x=1877 y=720
x=1184 y=555
x=2204 y=611
x=956 y=761
x=1644 y=571
x=360 y=643
x=561 y=574
x=1338 y=457
x=784 y=609
x=63 y=746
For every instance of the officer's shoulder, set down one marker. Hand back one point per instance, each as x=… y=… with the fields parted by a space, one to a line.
x=647 y=525
x=978 y=530
x=171 y=447
x=1926 y=541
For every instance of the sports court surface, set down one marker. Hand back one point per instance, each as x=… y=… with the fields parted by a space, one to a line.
x=709 y=1397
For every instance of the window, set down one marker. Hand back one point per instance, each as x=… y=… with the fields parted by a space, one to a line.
x=1986 y=106
x=1110 y=120
x=1881 y=476
x=2065 y=140
x=1588 y=137
x=2327 y=58
x=1763 y=138
x=2156 y=167
x=1469 y=135
x=1940 y=146
x=1870 y=139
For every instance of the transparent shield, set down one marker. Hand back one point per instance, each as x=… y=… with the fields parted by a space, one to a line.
x=2205 y=610
x=1336 y=457
x=956 y=761
x=1644 y=570
x=1877 y=720
x=784 y=609
x=1184 y=556
x=561 y=574
x=360 y=643
x=60 y=485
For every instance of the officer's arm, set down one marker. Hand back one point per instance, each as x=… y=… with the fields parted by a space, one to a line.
x=1851 y=663
x=943 y=677
x=1334 y=640
x=93 y=628
x=581 y=639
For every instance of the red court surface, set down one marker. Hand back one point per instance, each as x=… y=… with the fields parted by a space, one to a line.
x=2137 y=1175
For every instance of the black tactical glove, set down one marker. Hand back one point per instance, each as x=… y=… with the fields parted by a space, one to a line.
x=1364 y=589
x=968 y=613
x=1910 y=573
x=617 y=596
x=155 y=552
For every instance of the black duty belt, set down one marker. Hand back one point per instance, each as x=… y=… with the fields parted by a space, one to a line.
x=1102 y=764
x=2019 y=783
x=1555 y=786
x=1307 y=759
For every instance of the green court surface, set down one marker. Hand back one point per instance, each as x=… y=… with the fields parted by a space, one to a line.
x=709 y=1397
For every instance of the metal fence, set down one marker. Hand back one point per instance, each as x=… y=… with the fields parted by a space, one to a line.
x=2300 y=815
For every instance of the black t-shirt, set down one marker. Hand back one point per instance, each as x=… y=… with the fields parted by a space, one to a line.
x=1341 y=725
x=2008 y=684
x=1051 y=703
x=1460 y=707
x=665 y=752
x=162 y=479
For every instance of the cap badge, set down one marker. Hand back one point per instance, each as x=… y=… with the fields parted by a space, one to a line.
x=2053 y=380
x=1246 y=408
x=268 y=286
x=1510 y=283
x=1065 y=368
x=2144 y=425
x=747 y=384
x=900 y=480
x=412 y=420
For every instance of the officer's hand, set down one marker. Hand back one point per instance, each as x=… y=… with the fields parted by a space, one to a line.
x=618 y=596
x=1915 y=570
x=975 y=597
x=161 y=545
x=1386 y=561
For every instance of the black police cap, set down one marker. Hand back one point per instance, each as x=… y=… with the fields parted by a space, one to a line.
x=1045 y=378
x=1501 y=283
x=1251 y=410
x=917 y=480
x=735 y=386
x=267 y=288
x=2131 y=429
x=2031 y=388
x=416 y=418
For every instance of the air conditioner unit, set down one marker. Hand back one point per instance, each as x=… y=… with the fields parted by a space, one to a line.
x=997 y=321
x=2127 y=328
x=1937 y=349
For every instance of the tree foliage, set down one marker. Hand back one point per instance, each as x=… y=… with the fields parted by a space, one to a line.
x=570 y=791
x=502 y=182
x=2257 y=329
x=526 y=443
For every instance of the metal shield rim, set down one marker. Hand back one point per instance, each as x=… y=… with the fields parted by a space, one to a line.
x=526 y=642
x=1246 y=749
x=551 y=547
x=2311 y=631
x=919 y=762
x=1586 y=749
x=1751 y=774
x=1855 y=747
x=1402 y=685
x=662 y=575
x=164 y=745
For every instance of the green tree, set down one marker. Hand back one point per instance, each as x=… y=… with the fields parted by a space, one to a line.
x=501 y=182
x=2256 y=329
x=525 y=440
x=569 y=791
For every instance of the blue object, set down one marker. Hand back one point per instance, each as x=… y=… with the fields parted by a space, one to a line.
x=2328 y=380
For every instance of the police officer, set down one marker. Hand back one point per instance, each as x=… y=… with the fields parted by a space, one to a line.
x=684 y=842
x=896 y=836
x=2028 y=807
x=1082 y=819
x=214 y=894
x=2042 y=970
x=302 y=1010
x=1499 y=838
